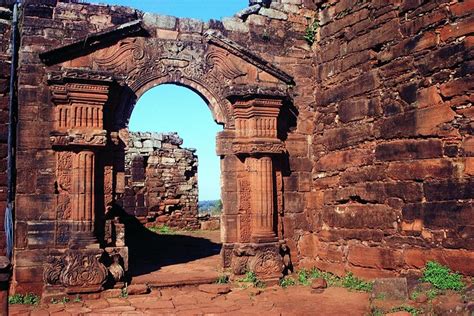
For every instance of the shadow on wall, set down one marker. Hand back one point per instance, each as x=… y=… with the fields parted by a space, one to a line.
x=148 y=251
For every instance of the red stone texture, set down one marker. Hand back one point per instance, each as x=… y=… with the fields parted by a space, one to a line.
x=390 y=149
x=377 y=178
x=161 y=184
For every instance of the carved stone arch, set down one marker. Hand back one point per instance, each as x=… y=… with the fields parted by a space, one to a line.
x=100 y=79
x=221 y=109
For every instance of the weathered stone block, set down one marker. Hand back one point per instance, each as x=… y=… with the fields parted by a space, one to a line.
x=409 y=149
x=374 y=257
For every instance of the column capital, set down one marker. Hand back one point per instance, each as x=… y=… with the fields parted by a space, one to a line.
x=79 y=102
x=256 y=126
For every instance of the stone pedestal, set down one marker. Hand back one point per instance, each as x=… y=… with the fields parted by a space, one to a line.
x=262 y=258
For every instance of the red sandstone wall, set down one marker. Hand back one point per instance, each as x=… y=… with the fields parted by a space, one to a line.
x=44 y=25
x=161 y=181
x=5 y=62
x=379 y=163
x=392 y=148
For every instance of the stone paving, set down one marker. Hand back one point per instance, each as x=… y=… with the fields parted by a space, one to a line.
x=297 y=300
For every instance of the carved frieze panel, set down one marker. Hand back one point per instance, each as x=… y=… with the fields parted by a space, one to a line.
x=108 y=184
x=79 y=271
x=98 y=138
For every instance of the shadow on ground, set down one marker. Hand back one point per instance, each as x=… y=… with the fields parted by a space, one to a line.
x=149 y=251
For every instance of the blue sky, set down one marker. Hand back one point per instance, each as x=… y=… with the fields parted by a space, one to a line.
x=198 y=9
x=172 y=108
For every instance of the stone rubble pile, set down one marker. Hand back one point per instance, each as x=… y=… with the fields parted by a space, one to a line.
x=161 y=180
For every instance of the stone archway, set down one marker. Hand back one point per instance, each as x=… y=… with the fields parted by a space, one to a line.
x=94 y=91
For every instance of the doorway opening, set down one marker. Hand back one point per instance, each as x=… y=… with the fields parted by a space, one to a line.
x=171 y=168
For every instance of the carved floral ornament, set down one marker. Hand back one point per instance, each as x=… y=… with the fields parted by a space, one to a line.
x=77 y=270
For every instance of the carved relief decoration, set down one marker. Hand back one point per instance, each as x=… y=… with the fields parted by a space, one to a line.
x=64 y=182
x=128 y=53
x=77 y=270
x=99 y=139
x=255 y=148
x=82 y=269
x=108 y=184
x=52 y=270
x=267 y=264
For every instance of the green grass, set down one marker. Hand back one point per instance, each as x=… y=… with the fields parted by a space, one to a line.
x=222 y=279
x=441 y=277
x=304 y=277
x=349 y=281
x=162 y=230
x=406 y=308
x=376 y=312
x=63 y=300
x=77 y=299
x=251 y=277
x=27 y=299
x=124 y=292
x=287 y=281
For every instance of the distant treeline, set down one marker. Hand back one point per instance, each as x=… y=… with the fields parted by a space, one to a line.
x=213 y=207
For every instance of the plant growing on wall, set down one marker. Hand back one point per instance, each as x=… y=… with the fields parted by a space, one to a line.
x=311 y=31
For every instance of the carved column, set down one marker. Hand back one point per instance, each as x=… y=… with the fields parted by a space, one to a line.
x=255 y=144
x=262 y=206
x=77 y=137
x=83 y=197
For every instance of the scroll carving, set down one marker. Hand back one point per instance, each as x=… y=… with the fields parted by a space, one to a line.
x=52 y=270
x=79 y=139
x=83 y=271
x=267 y=264
x=253 y=148
x=223 y=63
x=126 y=50
x=78 y=271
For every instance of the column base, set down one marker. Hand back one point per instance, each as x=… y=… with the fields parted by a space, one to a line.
x=263 y=259
x=76 y=271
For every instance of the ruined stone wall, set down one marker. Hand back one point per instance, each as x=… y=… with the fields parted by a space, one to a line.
x=5 y=63
x=45 y=25
x=379 y=164
x=161 y=185
x=392 y=148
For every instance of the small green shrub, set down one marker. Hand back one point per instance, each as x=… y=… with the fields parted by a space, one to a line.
x=354 y=283
x=27 y=299
x=124 y=292
x=222 y=279
x=304 y=277
x=415 y=294
x=287 y=281
x=77 y=299
x=432 y=293
x=310 y=32
x=442 y=277
x=251 y=277
x=63 y=300
x=406 y=308
x=376 y=312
